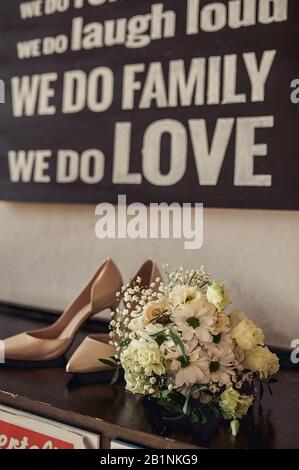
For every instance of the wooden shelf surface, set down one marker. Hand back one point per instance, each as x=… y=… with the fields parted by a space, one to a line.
x=117 y=414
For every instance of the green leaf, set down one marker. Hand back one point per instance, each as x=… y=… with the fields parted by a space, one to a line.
x=165 y=393
x=160 y=339
x=205 y=284
x=187 y=406
x=194 y=417
x=191 y=279
x=158 y=333
x=178 y=342
x=115 y=376
x=215 y=412
x=174 y=418
x=163 y=319
x=203 y=417
x=199 y=388
x=108 y=362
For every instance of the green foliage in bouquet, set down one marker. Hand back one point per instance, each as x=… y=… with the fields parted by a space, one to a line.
x=177 y=344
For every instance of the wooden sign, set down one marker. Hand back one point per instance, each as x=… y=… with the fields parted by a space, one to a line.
x=20 y=430
x=173 y=101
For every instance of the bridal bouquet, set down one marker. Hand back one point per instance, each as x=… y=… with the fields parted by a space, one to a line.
x=175 y=343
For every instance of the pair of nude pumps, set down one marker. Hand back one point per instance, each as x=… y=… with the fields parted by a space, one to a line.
x=46 y=347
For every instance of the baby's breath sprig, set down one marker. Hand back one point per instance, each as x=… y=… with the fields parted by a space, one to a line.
x=134 y=296
x=198 y=278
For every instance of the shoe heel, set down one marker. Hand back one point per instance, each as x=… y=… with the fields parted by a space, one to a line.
x=114 y=305
x=104 y=313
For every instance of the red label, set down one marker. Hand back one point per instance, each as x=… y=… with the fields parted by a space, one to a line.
x=16 y=437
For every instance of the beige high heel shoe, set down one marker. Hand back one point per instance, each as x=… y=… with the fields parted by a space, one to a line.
x=85 y=359
x=46 y=347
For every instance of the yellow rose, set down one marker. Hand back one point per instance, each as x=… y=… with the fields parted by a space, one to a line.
x=261 y=360
x=154 y=309
x=218 y=295
x=247 y=335
x=222 y=323
x=234 y=405
x=236 y=318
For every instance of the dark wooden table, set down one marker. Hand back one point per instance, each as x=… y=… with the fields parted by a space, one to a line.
x=116 y=414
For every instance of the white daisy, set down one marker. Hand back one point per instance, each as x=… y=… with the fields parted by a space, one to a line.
x=222 y=363
x=189 y=369
x=195 y=319
x=221 y=343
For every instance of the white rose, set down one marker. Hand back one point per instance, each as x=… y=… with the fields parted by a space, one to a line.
x=181 y=295
x=154 y=309
x=218 y=295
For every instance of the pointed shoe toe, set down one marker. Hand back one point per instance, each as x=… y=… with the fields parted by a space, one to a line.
x=27 y=350
x=86 y=359
x=40 y=347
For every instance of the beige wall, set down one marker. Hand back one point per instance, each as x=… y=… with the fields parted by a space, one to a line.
x=48 y=251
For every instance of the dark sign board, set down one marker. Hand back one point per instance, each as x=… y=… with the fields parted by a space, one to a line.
x=175 y=101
